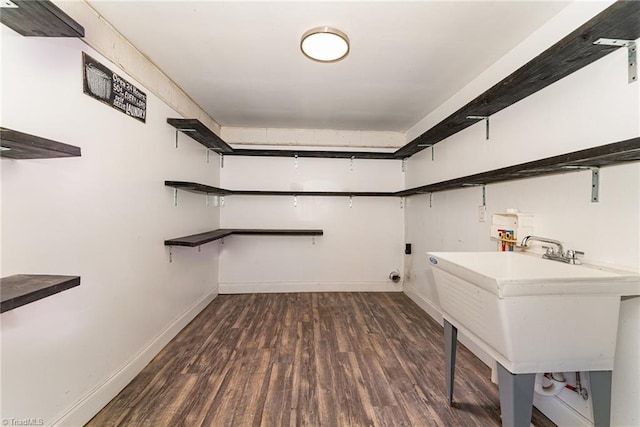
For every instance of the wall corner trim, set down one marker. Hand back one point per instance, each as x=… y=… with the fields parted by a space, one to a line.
x=285 y=287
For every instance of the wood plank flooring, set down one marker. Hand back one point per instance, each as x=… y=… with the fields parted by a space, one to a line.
x=308 y=359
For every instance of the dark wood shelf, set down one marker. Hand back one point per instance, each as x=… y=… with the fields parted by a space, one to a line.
x=312 y=193
x=199 y=132
x=575 y=51
x=22 y=289
x=195 y=129
x=194 y=187
x=19 y=145
x=275 y=232
x=209 y=236
x=198 y=239
x=314 y=153
x=605 y=155
x=40 y=18
x=207 y=189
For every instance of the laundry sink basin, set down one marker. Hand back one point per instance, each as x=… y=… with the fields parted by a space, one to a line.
x=531 y=314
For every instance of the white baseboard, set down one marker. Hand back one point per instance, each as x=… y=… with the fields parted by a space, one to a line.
x=287 y=287
x=554 y=408
x=92 y=402
x=560 y=412
x=431 y=309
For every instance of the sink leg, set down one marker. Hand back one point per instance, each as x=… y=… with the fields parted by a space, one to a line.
x=516 y=397
x=450 y=340
x=601 y=397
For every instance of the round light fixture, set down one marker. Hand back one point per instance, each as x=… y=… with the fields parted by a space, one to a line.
x=324 y=44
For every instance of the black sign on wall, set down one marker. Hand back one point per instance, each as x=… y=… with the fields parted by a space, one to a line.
x=101 y=83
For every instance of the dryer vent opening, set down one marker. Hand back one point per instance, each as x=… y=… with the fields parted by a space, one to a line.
x=394 y=276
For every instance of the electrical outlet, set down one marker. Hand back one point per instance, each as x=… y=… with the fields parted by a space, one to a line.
x=482 y=213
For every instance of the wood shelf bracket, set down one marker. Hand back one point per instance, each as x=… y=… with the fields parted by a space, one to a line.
x=632 y=54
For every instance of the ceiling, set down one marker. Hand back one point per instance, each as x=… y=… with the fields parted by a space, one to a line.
x=241 y=62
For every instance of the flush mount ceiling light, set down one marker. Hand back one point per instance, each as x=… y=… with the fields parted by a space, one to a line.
x=324 y=44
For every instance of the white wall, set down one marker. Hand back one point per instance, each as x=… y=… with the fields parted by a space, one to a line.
x=594 y=106
x=103 y=216
x=361 y=245
x=104 y=38
x=353 y=139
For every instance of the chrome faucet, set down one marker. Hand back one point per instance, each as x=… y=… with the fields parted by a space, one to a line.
x=554 y=253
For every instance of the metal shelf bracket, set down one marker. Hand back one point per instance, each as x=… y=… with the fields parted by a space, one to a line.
x=486 y=120
x=632 y=54
x=182 y=130
x=484 y=191
x=595 y=180
x=209 y=150
x=432 y=149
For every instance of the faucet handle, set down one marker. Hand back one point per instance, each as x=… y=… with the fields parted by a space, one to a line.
x=572 y=255
x=550 y=250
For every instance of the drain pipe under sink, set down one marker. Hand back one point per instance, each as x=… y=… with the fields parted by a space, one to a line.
x=550 y=384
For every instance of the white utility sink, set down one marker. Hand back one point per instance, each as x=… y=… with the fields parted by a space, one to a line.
x=533 y=314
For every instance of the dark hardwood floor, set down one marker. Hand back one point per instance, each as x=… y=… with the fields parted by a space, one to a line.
x=313 y=359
